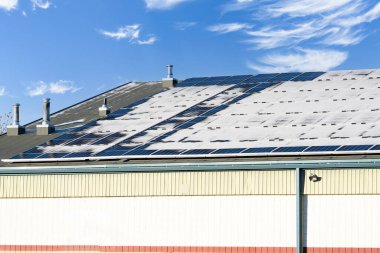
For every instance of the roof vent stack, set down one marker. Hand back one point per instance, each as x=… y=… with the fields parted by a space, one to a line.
x=15 y=129
x=45 y=127
x=104 y=110
x=169 y=81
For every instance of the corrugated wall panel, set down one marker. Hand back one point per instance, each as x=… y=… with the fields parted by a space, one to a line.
x=343 y=182
x=333 y=182
x=149 y=184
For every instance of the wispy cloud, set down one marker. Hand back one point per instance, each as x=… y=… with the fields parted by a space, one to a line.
x=366 y=17
x=130 y=33
x=41 y=4
x=237 y=5
x=302 y=8
x=163 y=4
x=182 y=26
x=326 y=22
x=149 y=41
x=2 y=91
x=229 y=27
x=60 y=87
x=318 y=27
x=8 y=5
x=301 y=60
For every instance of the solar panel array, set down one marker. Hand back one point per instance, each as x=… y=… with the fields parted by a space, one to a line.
x=189 y=120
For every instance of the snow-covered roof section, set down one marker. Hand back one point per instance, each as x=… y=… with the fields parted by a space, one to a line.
x=337 y=112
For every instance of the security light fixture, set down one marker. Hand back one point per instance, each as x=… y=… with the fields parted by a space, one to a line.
x=314 y=178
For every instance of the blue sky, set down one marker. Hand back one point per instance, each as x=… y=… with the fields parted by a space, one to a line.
x=69 y=50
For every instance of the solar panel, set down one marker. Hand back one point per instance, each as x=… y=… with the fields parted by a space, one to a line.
x=354 y=147
x=112 y=153
x=218 y=80
x=169 y=152
x=289 y=149
x=214 y=110
x=141 y=152
x=284 y=77
x=105 y=141
x=213 y=80
x=68 y=136
x=259 y=150
x=53 y=155
x=228 y=151
x=191 y=81
x=376 y=147
x=261 y=78
x=321 y=148
x=259 y=87
x=236 y=79
x=80 y=141
x=308 y=76
x=35 y=150
x=55 y=142
x=78 y=154
x=198 y=151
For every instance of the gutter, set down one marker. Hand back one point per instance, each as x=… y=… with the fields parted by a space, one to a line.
x=206 y=166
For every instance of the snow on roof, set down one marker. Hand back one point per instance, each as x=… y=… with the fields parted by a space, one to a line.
x=161 y=106
x=337 y=108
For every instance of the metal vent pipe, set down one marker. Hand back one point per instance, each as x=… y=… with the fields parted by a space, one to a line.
x=46 y=112
x=16 y=114
x=170 y=71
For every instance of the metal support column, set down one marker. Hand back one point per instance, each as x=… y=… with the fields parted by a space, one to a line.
x=299 y=209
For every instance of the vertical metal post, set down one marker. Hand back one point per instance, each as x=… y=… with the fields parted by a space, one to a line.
x=299 y=209
x=16 y=114
x=46 y=112
x=170 y=71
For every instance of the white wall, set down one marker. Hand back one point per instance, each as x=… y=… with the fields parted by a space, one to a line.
x=349 y=221
x=266 y=221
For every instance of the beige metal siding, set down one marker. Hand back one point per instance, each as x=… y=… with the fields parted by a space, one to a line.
x=280 y=182
x=343 y=182
x=149 y=184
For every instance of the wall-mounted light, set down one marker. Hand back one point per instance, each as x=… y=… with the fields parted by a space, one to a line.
x=314 y=178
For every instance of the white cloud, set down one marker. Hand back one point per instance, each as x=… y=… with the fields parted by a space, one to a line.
x=301 y=8
x=367 y=17
x=130 y=33
x=2 y=91
x=149 y=41
x=40 y=4
x=237 y=5
x=344 y=37
x=163 y=4
x=302 y=60
x=38 y=89
x=229 y=27
x=60 y=87
x=291 y=22
x=182 y=26
x=306 y=24
x=8 y=4
x=269 y=37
